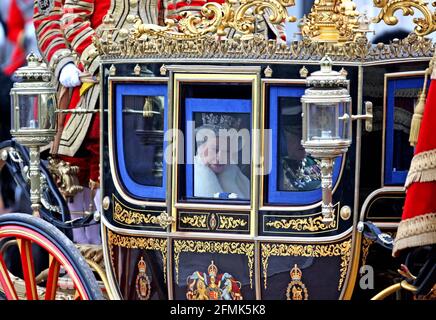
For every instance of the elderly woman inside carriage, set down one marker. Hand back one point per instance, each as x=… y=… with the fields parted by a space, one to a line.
x=217 y=150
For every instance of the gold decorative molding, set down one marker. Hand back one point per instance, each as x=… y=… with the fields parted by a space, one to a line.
x=311 y=223
x=129 y=242
x=334 y=28
x=128 y=216
x=215 y=18
x=331 y=20
x=259 y=48
x=303 y=224
x=366 y=244
x=213 y=221
x=424 y=25
x=198 y=246
x=198 y=221
x=341 y=249
x=65 y=177
x=228 y=223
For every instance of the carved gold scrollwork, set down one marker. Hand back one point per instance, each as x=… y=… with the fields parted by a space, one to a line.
x=139 y=243
x=366 y=244
x=125 y=215
x=342 y=249
x=228 y=223
x=215 y=18
x=424 y=25
x=331 y=20
x=312 y=224
x=260 y=48
x=65 y=177
x=193 y=246
x=195 y=221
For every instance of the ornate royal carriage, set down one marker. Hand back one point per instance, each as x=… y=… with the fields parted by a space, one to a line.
x=161 y=240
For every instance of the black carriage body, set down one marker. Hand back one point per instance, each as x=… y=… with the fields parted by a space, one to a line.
x=273 y=242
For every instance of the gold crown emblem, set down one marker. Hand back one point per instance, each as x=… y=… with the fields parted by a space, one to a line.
x=141 y=265
x=212 y=269
x=296 y=273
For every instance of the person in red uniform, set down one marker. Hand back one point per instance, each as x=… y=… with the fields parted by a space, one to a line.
x=52 y=43
x=64 y=30
x=79 y=143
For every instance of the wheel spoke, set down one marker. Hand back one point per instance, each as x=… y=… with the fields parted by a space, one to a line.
x=6 y=282
x=28 y=268
x=52 y=279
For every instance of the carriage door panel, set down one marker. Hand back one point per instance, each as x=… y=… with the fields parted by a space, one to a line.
x=213 y=270
x=213 y=181
x=133 y=166
x=138 y=265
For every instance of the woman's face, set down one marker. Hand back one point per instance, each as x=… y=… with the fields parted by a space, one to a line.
x=214 y=156
x=294 y=147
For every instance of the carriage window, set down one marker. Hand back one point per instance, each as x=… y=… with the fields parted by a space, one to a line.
x=405 y=100
x=296 y=170
x=402 y=94
x=221 y=156
x=294 y=177
x=143 y=116
x=140 y=135
x=218 y=158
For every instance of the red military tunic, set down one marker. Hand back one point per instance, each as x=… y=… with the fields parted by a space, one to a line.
x=51 y=41
x=64 y=28
x=81 y=137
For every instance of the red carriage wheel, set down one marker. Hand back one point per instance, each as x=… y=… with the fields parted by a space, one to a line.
x=29 y=231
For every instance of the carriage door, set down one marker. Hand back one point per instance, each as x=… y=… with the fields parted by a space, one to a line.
x=134 y=195
x=213 y=184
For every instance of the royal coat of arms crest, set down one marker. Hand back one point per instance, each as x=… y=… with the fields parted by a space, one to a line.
x=213 y=286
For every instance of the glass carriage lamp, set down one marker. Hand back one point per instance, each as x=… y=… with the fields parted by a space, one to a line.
x=326 y=125
x=33 y=123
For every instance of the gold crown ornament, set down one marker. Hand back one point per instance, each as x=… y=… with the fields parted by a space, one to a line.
x=212 y=270
x=296 y=273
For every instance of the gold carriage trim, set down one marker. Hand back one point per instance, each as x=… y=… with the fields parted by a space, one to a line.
x=422 y=168
x=215 y=18
x=194 y=246
x=312 y=223
x=424 y=25
x=197 y=221
x=415 y=232
x=257 y=47
x=332 y=20
x=366 y=244
x=342 y=249
x=139 y=243
x=208 y=221
x=127 y=216
x=228 y=223
x=302 y=224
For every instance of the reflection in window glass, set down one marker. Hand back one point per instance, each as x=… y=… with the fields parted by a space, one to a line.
x=322 y=119
x=47 y=112
x=296 y=170
x=404 y=102
x=28 y=105
x=222 y=155
x=143 y=123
